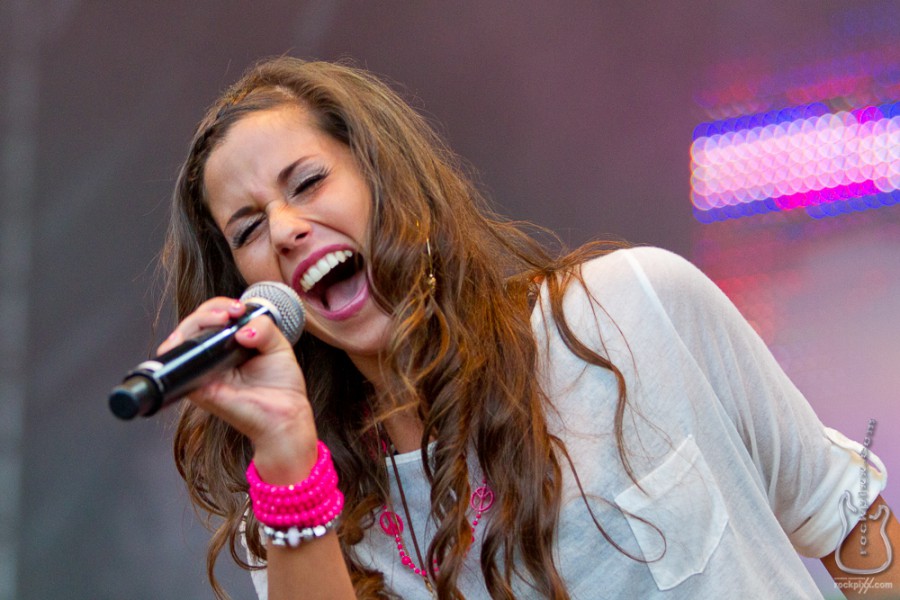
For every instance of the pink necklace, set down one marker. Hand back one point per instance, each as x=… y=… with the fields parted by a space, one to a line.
x=480 y=501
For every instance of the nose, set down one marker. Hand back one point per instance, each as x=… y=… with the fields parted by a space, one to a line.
x=287 y=228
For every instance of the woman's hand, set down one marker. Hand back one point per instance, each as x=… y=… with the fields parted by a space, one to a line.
x=264 y=398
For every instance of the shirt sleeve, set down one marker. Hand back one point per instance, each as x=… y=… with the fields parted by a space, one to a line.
x=806 y=468
x=260 y=577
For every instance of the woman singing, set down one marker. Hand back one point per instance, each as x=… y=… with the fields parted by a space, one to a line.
x=471 y=413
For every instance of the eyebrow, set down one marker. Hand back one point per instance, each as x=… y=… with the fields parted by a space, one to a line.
x=239 y=214
x=282 y=179
x=285 y=173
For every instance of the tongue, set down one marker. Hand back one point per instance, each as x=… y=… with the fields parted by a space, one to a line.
x=340 y=294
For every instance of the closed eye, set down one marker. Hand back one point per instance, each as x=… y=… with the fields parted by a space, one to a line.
x=243 y=234
x=310 y=182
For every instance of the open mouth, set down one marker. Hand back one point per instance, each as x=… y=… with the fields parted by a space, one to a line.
x=334 y=282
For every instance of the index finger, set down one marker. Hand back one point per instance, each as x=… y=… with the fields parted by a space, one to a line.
x=215 y=312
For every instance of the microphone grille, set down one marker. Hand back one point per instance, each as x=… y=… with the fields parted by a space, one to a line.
x=283 y=303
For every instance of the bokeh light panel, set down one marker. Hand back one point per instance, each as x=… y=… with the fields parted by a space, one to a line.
x=803 y=157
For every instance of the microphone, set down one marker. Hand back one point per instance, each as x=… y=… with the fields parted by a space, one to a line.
x=156 y=383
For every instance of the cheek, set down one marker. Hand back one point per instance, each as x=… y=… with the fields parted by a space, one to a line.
x=258 y=266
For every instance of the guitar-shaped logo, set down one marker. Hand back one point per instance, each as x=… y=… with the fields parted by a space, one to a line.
x=848 y=506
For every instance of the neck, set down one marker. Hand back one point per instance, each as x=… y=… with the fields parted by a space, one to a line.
x=371 y=367
x=404 y=428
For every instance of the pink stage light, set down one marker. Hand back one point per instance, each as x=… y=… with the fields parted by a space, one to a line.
x=807 y=157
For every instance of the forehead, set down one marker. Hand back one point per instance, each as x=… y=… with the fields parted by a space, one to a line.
x=254 y=133
x=257 y=147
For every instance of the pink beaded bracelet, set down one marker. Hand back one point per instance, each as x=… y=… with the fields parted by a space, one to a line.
x=308 y=505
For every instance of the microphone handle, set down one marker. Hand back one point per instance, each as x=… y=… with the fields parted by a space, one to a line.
x=158 y=382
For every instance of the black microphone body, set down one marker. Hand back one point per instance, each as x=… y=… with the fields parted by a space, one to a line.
x=158 y=382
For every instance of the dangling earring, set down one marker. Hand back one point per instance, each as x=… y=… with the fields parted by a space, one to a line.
x=430 y=279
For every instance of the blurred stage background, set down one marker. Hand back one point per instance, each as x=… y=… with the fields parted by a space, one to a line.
x=759 y=139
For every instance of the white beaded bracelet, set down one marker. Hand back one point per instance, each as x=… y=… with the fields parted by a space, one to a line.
x=294 y=536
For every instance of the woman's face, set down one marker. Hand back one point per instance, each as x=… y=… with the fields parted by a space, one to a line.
x=295 y=208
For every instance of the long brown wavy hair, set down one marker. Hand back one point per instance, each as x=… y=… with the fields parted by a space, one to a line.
x=462 y=354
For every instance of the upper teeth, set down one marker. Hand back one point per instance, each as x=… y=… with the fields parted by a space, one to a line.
x=319 y=270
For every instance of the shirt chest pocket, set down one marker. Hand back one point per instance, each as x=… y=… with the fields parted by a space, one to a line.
x=679 y=521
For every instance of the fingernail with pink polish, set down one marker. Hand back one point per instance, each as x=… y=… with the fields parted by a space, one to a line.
x=250 y=332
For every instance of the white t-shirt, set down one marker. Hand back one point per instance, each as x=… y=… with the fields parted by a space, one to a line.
x=739 y=473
